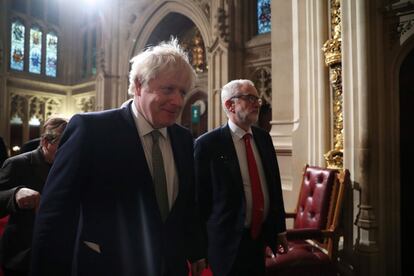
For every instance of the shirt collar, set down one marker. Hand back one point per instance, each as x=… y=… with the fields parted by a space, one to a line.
x=144 y=127
x=239 y=132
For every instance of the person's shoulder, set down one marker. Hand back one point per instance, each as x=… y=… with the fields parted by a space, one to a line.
x=19 y=159
x=96 y=116
x=212 y=134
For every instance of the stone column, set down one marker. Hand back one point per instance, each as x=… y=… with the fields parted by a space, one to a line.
x=221 y=58
x=366 y=241
x=282 y=74
x=359 y=79
x=107 y=80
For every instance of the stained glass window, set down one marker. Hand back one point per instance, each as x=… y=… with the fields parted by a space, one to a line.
x=35 y=54
x=51 y=54
x=17 y=46
x=263 y=16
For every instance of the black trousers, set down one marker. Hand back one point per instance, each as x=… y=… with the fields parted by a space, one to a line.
x=250 y=260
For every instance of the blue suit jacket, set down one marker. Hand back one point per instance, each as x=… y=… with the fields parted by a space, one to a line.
x=221 y=195
x=99 y=214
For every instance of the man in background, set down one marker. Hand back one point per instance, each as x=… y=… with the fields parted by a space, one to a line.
x=22 y=178
x=239 y=187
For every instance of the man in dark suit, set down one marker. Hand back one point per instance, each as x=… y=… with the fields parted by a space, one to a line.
x=239 y=187
x=120 y=198
x=22 y=178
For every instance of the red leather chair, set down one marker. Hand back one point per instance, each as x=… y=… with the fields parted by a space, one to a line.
x=313 y=241
x=3 y=222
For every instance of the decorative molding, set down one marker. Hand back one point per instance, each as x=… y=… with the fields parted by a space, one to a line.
x=86 y=103
x=262 y=79
x=29 y=105
x=205 y=7
x=400 y=18
x=404 y=26
x=222 y=27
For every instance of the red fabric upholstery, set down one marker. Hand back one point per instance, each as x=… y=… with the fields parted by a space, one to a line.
x=3 y=222
x=316 y=218
x=302 y=259
x=206 y=272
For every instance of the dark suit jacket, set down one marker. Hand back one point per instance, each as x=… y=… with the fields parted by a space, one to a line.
x=30 y=145
x=28 y=170
x=221 y=195
x=3 y=151
x=99 y=210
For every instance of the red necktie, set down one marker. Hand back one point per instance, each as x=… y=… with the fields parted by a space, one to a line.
x=257 y=194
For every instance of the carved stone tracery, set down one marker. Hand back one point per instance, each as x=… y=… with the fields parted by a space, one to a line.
x=86 y=103
x=26 y=107
x=222 y=24
x=262 y=79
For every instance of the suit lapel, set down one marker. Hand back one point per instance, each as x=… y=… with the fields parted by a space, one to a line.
x=265 y=157
x=228 y=148
x=139 y=160
x=181 y=165
x=178 y=152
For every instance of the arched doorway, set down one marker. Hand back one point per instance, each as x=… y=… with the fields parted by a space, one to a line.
x=406 y=151
x=177 y=25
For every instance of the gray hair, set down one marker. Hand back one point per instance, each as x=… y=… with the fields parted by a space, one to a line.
x=166 y=56
x=231 y=89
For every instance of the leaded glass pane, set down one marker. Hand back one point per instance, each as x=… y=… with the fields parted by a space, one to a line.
x=51 y=54
x=263 y=16
x=17 y=46
x=35 y=54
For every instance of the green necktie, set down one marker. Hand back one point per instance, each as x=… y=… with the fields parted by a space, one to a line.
x=158 y=175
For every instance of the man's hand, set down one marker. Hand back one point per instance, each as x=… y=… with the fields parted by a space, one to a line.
x=27 y=199
x=198 y=267
x=282 y=242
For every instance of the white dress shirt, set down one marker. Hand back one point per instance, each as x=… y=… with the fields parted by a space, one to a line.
x=237 y=134
x=144 y=129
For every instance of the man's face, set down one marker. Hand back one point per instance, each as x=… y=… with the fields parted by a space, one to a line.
x=244 y=107
x=161 y=100
x=50 y=147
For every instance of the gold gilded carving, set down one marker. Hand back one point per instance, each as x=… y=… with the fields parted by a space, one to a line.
x=333 y=57
x=197 y=53
x=332 y=47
